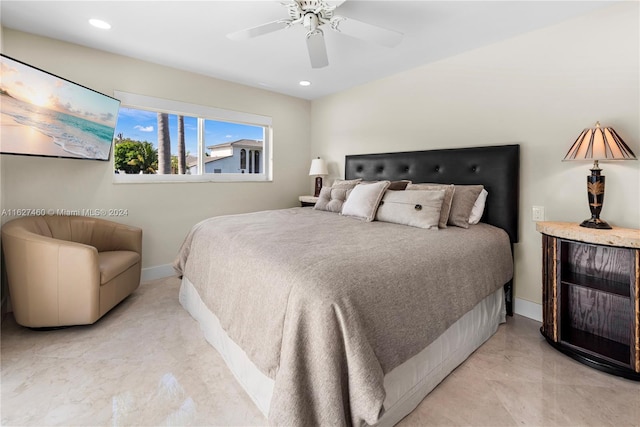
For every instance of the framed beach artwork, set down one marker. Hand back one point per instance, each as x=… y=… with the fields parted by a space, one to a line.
x=45 y=115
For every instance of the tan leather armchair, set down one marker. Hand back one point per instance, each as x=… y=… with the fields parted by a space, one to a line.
x=69 y=270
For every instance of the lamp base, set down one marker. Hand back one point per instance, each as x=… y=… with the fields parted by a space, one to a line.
x=595 y=223
x=595 y=194
x=318 y=186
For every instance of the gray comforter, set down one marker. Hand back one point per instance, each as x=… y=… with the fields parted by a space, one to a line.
x=327 y=305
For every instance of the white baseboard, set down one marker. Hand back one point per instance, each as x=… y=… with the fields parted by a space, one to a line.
x=527 y=309
x=157 y=272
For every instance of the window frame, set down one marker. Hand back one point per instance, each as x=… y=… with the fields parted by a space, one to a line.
x=202 y=113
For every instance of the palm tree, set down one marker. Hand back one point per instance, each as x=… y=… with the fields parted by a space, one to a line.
x=182 y=156
x=146 y=159
x=164 y=144
x=174 y=165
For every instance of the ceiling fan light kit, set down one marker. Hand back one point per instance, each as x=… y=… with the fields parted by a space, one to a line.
x=314 y=14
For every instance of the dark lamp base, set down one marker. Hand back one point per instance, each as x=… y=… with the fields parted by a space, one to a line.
x=318 y=186
x=595 y=223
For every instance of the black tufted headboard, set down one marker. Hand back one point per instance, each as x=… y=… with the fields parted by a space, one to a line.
x=495 y=167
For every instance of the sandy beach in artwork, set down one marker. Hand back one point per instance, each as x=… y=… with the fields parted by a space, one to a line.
x=17 y=138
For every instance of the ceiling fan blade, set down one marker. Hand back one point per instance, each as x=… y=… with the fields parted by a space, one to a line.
x=367 y=32
x=259 y=30
x=335 y=3
x=317 y=49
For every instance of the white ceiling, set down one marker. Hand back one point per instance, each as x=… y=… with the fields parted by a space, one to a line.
x=191 y=35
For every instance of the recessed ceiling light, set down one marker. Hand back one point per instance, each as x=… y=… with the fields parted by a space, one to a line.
x=305 y=83
x=98 y=23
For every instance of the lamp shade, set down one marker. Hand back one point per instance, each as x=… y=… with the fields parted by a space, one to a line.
x=599 y=144
x=318 y=167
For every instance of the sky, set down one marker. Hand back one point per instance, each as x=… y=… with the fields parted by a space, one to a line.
x=42 y=89
x=140 y=125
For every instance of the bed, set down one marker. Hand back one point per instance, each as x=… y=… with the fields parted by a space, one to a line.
x=329 y=320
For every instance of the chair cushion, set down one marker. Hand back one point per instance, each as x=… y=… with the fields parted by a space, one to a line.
x=112 y=263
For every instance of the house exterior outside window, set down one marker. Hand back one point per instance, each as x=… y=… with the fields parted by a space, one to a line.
x=231 y=157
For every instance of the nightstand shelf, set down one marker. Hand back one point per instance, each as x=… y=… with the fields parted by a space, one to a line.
x=595 y=345
x=306 y=201
x=591 y=307
x=603 y=285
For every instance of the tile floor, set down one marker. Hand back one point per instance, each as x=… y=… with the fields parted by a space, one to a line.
x=146 y=363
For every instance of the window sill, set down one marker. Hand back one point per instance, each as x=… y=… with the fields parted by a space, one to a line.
x=163 y=179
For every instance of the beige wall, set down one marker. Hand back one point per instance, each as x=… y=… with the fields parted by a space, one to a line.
x=539 y=90
x=164 y=211
x=2 y=192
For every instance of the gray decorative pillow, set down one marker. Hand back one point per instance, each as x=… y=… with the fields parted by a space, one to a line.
x=394 y=185
x=352 y=182
x=463 y=200
x=417 y=208
x=449 y=191
x=364 y=199
x=399 y=185
x=332 y=198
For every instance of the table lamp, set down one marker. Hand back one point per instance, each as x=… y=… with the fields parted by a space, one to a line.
x=598 y=144
x=318 y=169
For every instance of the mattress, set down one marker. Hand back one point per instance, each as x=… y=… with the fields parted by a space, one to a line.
x=405 y=386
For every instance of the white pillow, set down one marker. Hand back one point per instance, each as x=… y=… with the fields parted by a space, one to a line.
x=332 y=198
x=417 y=208
x=363 y=200
x=449 y=191
x=478 y=207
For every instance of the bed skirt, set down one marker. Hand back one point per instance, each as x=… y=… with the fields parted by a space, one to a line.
x=405 y=386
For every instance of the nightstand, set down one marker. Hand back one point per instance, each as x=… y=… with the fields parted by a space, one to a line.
x=307 y=200
x=591 y=296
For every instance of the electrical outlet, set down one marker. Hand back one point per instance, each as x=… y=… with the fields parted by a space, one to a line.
x=537 y=213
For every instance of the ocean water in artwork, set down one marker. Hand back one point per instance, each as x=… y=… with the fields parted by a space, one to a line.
x=77 y=136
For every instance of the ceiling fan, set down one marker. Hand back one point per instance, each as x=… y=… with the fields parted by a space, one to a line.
x=314 y=15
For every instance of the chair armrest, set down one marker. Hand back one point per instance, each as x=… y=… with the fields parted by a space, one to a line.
x=113 y=236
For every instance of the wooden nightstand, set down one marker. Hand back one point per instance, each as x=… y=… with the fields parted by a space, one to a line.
x=307 y=200
x=591 y=295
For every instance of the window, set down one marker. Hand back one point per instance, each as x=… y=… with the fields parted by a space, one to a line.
x=158 y=140
x=243 y=159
